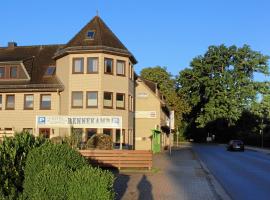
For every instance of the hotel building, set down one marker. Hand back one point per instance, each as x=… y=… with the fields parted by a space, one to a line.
x=91 y=75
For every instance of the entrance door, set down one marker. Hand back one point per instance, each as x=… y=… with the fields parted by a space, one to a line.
x=45 y=132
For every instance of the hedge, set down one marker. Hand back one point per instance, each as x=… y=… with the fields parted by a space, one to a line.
x=91 y=184
x=13 y=154
x=50 y=154
x=51 y=183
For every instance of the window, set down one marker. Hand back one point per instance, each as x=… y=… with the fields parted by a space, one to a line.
x=13 y=72
x=91 y=99
x=108 y=66
x=117 y=136
x=45 y=132
x=108 y=100
x=120 y=101
x=28 y=101
x=1 y=102
x=28 y=130
x=131 y=71
x=107 y=131
x=10 y=102
x=50 y=71
x=92 y=65
x=77 y=99
x=2 y=72
x=90 y=132
x=45 y=101
x=120 y=68
x=90 y=34
x=130 y=103
x=77 y=66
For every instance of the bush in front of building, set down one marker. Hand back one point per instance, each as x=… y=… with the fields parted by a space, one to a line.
x=51 y=169
x=57 y=140
x=50 y=154
x=51 y=183
x=91 y=184
x=100 y=141
x=13 y=154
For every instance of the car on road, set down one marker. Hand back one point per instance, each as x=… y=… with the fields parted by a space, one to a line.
x=236 y=145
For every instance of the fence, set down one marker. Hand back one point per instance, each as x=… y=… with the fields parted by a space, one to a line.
x=119 y=158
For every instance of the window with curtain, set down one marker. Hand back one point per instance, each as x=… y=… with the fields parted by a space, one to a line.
x=10 y=102
x=77 y=66
x=92 y=65
x=45 y=101
x=92 y=99
x=120 y=100
x=120 y=68
x=28 y=101
x=77 y=99
x=108 y=100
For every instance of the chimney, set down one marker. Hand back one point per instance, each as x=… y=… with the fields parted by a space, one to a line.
x=11 y=45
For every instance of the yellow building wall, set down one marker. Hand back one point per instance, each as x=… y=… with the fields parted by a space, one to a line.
x=99 y=82
x=143 y=126
x=19 y=118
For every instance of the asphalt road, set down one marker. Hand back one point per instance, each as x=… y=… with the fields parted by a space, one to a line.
x=244 y=175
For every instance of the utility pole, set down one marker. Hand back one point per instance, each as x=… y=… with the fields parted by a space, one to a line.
x=262 y=134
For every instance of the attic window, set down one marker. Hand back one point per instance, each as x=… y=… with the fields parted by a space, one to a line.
x=90 y=34
x=50 y=71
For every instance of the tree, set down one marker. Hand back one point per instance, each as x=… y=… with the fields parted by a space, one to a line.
x=167 y=86
x=219 y=85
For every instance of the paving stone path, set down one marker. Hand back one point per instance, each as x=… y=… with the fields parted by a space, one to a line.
x=181 y=177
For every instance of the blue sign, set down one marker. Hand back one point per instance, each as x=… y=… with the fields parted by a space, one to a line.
x=41 y=120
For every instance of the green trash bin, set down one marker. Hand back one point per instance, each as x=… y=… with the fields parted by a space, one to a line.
x=156 y=143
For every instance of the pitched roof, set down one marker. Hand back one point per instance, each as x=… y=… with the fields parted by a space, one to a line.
x=104 y=39
x=36 y=60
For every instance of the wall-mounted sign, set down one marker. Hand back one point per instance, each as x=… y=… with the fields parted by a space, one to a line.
x=142 y=95
x=146 y=114
x=60 y=121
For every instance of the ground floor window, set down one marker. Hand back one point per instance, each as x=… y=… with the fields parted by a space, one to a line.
x=117 y=136
x=107 y=131
x=45 y=132
x=90 y=132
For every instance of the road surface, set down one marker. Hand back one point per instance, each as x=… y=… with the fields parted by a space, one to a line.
x=244 y=175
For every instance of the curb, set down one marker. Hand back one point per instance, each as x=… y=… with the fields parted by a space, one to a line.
x=217 y=188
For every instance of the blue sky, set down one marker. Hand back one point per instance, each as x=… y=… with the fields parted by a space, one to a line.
x=166 y=33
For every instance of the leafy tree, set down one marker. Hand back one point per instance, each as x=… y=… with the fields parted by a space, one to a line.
x=167 y=86
x=220 y=84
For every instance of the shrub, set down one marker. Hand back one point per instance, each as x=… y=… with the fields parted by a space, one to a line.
x=75 y=138
x=13 y=153
x=51 y=183
x=100 y=141
x=50 y=154
x=91 y=184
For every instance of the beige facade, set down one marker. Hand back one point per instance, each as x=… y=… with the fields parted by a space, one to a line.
x=91 y=75
x=19 y=118
x=98 y=82
x=150 y=114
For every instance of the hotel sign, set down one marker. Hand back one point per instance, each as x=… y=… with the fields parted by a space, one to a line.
x=146 y=114
x=60 y=121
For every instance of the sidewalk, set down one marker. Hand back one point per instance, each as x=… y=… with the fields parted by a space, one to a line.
x=180 y=177
x=263 y=150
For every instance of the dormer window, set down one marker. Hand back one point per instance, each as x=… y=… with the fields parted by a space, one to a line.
x=13 y=72
x=50 y=71
x=90 y=34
